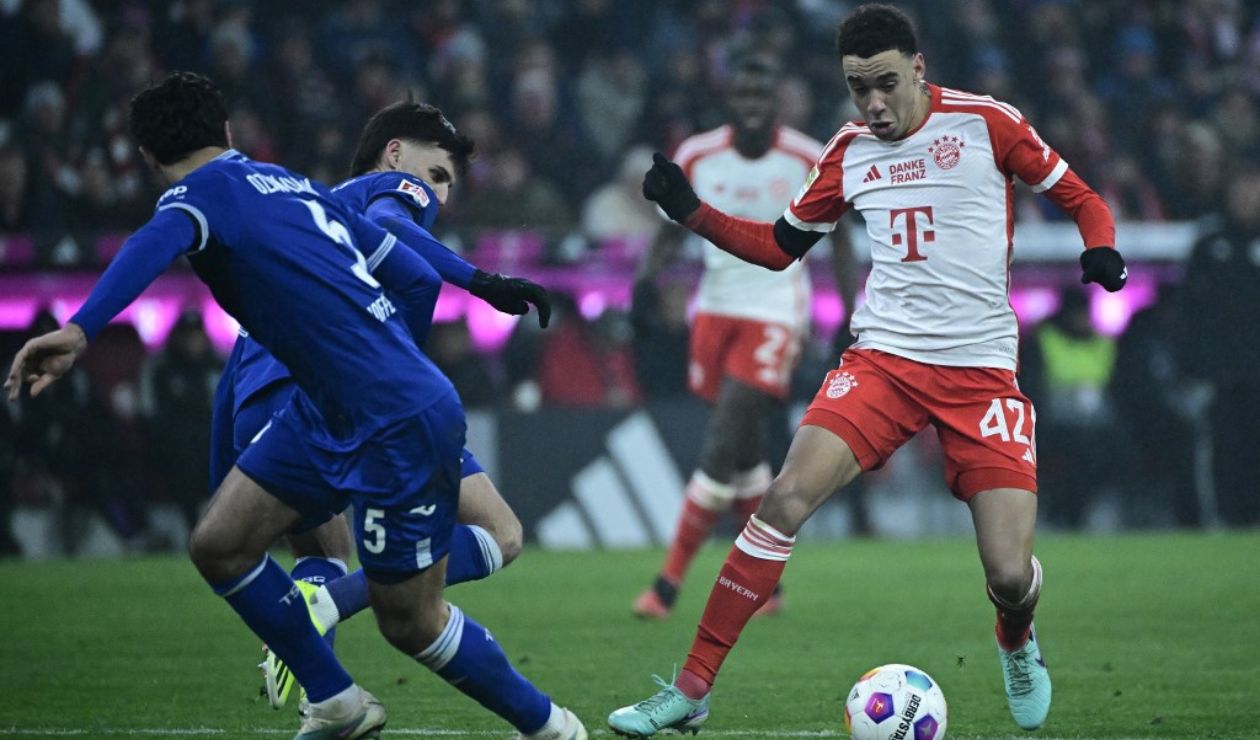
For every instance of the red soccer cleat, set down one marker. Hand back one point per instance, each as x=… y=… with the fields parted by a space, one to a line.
x=650 y=605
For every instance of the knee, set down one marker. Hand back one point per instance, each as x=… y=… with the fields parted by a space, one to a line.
x=785 y=507
x=215 y=557
x=510 y=537
x=1009 y=579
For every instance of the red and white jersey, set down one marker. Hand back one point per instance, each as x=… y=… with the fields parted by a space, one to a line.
x=758 y=189
x=938 y=208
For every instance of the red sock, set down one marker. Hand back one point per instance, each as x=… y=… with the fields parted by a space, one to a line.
x=1014 y=621
x=695 y=524
x=747 y=579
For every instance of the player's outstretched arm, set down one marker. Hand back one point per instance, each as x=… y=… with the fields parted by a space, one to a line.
x=774 y=245
x=145 y=256
x=507 y=294
x=1101 y=262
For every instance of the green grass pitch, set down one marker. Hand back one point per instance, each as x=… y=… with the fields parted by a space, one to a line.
x=1145 y=635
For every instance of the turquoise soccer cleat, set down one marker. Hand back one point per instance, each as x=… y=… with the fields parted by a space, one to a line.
x=1027 y=683
x=667 y=709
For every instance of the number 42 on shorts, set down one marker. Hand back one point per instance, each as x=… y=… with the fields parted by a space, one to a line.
x=1006 y=420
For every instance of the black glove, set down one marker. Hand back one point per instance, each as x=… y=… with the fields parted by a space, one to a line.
x=1105 y=266
x=511 y=295
x=666 y=184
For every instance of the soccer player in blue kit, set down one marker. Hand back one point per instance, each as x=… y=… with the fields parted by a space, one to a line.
x=408 y=157
x=373 y=422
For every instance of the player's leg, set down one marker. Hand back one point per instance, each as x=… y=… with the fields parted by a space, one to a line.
x=233 y=559
x=986 y=428
x=818 y=463
x=402 y=539
x=858 y=418
x=488 y=536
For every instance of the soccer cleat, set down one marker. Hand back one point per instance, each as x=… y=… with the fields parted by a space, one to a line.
x=667 y=709
x=278 y=680
x=657 y=601
x=573 y=730
x=363 y=721
x=1027 y=683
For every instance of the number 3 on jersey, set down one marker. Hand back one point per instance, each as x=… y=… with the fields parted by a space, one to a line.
x=338 y=232
x=994 y=424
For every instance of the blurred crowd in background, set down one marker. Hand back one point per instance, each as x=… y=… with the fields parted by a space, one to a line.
x=1155 y=103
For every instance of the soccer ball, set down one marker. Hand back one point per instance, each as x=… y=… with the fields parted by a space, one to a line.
x=895 y=702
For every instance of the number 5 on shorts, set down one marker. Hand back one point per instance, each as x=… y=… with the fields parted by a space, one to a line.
x=373 y=531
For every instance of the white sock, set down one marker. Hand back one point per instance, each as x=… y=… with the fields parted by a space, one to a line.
x=324 y=608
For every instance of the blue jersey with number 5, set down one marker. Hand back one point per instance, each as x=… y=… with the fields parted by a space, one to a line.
x=290 y=263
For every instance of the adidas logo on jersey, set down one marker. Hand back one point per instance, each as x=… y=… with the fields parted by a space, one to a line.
x=872 y=174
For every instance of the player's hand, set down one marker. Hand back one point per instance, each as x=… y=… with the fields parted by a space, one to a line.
x=1105 y=266
x=44 y=359
x=666 y=185
x=512 y=295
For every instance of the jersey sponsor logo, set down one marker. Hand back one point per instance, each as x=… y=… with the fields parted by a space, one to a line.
x=268 y=184
x=946 y=151
x=872 y=175
x=840 y=384
x=908 y=171
x=415 y=191
x=174 y=192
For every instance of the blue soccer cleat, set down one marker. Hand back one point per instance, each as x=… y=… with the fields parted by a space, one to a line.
x=1027 y=683
x=667 y=709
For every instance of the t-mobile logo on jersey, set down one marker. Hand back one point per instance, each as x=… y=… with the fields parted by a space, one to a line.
x=912 y=232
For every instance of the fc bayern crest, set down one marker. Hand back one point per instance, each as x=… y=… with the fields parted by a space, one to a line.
x=840 y=384
x=946 y=151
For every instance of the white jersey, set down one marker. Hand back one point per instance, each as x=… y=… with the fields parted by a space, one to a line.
x=757 y=189
x=938 y=210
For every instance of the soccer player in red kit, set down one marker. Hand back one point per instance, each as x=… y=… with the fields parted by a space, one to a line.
x=932 y=171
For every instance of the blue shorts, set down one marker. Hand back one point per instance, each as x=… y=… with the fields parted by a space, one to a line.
x=231 y=432
x=403 y=481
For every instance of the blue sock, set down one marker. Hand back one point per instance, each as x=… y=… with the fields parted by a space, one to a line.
x=468 y=658
x=271 y=605
x=473 y=555
x=349 y=594
x=320 y=572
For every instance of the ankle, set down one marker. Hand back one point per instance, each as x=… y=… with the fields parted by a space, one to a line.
x=692 y=686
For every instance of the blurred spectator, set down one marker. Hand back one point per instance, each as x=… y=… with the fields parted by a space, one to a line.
x=7 y=458
x=517 y=199
x=1066 y=370
x=36 y=49
x=1158 y=404
x=178 y=388
x=618 y=210
x=19 y=204
x=659 y=317
x=359 y=30
x=451 y=348
x=1222 y=343
x=612 y=93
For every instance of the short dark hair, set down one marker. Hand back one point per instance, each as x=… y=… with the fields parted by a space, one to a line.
x=875 y=28
x=177 y=116
x=411 y=121
x=756 y=65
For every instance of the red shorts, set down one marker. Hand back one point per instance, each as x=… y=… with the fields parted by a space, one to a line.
x=876 y=402
x=756 y=353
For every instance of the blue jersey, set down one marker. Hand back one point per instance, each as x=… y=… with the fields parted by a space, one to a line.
x=287 y=260
x=387 y=196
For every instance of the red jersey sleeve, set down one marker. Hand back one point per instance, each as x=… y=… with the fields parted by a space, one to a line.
x=820 y=202
x=1020 y=152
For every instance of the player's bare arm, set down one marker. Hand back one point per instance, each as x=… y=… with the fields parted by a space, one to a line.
x=44 y=359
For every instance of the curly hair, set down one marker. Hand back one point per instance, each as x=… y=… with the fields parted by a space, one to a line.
x=177 y=116
x=874 y=28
